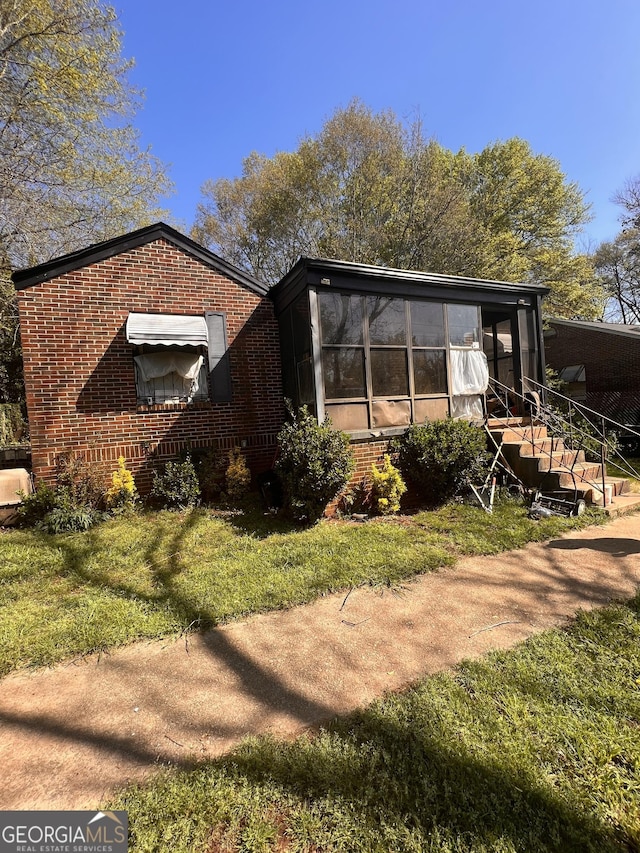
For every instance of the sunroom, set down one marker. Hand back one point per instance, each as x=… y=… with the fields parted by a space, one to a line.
x=378 y=349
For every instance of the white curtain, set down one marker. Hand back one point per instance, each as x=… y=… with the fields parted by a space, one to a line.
x=469 y=371
x=469 y=380
x=157 y=364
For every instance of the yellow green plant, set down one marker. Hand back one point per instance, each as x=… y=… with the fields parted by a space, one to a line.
x=238 y=476
x=387 y=487
x=123 y=493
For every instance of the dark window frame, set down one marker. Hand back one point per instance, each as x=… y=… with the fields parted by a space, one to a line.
x=409 y=348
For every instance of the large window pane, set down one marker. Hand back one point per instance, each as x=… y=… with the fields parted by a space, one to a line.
x=389 y=373
x=340 y=318
x=427 y=324
x=429 y=371
x=386 y=321
x=343 y=371
x=463 y=325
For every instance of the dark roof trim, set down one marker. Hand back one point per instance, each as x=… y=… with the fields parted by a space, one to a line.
x=328 y=265
x=623 y=329
x=116 y=246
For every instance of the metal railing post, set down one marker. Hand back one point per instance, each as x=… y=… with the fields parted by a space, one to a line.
x=603 y=462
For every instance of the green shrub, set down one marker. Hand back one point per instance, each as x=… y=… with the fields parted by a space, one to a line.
x=75 y=503
x=387 y=487
x=35 y=507
x=440 y=457
x=210 y=469
x=67 y=518
x=177 y=487
x=238 y=476
x=314 y=464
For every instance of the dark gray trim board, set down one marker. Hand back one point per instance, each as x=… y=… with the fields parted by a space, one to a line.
x=116 y=246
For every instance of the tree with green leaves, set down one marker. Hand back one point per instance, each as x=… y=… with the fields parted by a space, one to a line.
x=72 y=171
x=530 y=216
x=366 y=189
x=370 y=189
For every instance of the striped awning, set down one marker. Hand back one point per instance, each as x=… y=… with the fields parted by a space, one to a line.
x=167 y=329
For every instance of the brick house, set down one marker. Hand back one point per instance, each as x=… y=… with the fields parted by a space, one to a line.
x=142 y=346
x=600 y=362
x=148 y=344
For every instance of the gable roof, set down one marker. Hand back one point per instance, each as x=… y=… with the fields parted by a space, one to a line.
x=117 y=245
x=595 y=326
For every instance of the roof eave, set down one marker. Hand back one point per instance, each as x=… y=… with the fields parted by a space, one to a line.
x=371 y=271
x=56 y=267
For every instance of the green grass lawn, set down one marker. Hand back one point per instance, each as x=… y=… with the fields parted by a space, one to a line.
x=156 y=574
x=619 y=468
x=535 y=749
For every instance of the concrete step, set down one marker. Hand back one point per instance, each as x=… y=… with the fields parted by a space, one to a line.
x=616 y=490
x=566 y=478
x=542 y=461
x=533 y=468
x=518 y=433
x=540 y=446
x=500 y=423
x=624 y=503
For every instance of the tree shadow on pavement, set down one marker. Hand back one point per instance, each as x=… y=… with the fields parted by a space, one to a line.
x=618 y=547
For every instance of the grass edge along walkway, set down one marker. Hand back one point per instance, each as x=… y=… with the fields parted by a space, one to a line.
x=161 y=574
x=532 y=749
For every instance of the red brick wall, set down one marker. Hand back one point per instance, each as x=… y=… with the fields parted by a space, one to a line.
x=612 y=364
x=79 y=372
x=365 y=453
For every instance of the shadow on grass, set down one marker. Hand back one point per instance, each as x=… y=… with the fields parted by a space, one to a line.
x=440 y=767
x=164 y=559
x=398 y=788
x=479 y=761
x=252 y=519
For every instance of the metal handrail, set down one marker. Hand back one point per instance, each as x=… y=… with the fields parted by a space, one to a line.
x=612 y=448
x=555 y=420
x=581 y=407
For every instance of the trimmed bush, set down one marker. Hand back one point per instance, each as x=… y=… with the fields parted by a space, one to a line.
x=177 y=487
x=238 y=476
x=387 y=487
x=314 y=465
x=122 y=495
x=210 y=467
x=441 y=457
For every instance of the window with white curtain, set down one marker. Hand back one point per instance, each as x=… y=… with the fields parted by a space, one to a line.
x=170 y=357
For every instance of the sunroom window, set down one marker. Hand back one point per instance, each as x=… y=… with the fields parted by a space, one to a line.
x=385 y=358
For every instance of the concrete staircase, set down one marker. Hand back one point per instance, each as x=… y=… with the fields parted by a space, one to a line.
x=543 y=462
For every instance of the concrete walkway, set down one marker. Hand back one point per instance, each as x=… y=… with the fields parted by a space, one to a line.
x=70 y=735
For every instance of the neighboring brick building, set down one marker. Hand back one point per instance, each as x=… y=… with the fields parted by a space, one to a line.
x=91 y=364
x=601 y=364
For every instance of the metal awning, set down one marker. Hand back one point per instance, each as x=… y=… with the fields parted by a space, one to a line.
x=167 y=329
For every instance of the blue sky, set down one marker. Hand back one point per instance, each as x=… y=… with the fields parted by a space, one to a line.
x=225 y=79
